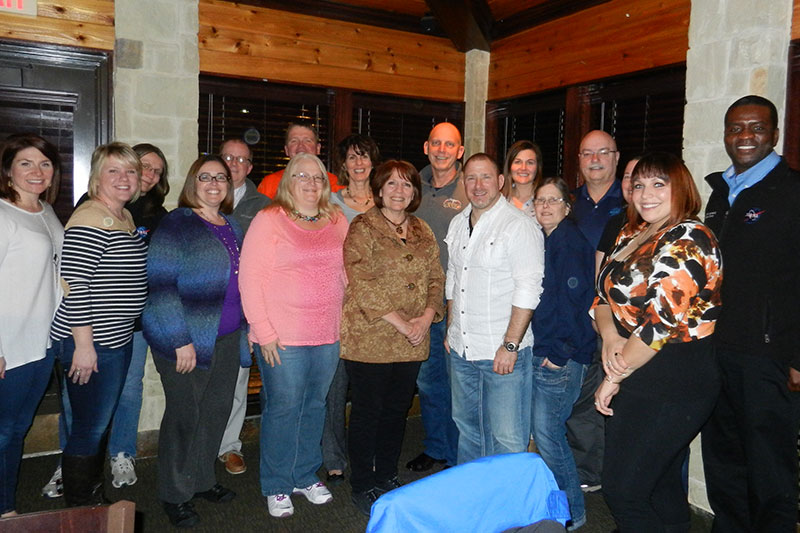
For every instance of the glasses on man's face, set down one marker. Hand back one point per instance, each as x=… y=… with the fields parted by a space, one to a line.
x=150 y=168
x=602 y=152
x=548 y=201
x=302 y=177
x=238 y=158
x=205 y=177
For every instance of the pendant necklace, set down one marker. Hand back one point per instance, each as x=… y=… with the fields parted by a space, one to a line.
x=397 y=227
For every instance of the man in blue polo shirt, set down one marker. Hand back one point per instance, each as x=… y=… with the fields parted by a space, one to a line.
x=596 y=201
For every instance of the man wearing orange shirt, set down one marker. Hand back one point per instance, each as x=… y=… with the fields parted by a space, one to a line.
x=300 y=137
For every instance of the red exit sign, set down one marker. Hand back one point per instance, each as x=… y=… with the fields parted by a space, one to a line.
x=18 y=7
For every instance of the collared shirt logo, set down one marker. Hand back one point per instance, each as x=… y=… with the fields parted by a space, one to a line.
x=452 y=203
x=752 y=216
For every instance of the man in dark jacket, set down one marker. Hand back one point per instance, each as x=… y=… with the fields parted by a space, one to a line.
x=750 y=443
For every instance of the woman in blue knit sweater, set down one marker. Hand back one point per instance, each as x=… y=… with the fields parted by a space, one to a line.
x=193 y=323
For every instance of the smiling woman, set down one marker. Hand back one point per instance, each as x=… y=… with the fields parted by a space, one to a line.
x=103 y=267
x=194 y=323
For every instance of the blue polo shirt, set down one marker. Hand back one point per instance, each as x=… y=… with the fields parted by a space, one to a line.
x=739 y=182
x=592 y=217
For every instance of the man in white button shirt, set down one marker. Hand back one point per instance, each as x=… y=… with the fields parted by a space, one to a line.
x=494 y=280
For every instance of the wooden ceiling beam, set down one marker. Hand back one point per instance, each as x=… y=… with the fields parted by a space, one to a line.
x=539 y=14
x=468 y=23
x=348 y=13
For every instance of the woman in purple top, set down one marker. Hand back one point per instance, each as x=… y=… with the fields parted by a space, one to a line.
x=193 y=323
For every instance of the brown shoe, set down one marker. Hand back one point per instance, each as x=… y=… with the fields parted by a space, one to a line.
x=234 y=462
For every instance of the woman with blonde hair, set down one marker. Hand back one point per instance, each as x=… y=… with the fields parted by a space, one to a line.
x=104 y=270
x=292 y=283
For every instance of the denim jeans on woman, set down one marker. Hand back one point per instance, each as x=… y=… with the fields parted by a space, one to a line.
x=294 y=413
x=554 y=393
x=125 y=426
x=492 y=411
x=20 y=393
x=94 y=403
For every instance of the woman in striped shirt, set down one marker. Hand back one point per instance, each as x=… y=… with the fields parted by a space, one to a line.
x=103 y=270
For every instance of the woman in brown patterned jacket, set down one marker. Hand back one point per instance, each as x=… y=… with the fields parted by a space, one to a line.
x=395 y=291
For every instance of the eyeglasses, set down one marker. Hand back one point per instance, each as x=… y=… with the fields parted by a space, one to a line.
x=206 y=177
x=150 y=168
x=238 y=158
x=602 y=152
x=302 y=177
x=548 y=201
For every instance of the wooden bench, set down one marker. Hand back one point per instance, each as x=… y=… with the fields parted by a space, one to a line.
x=114 y=518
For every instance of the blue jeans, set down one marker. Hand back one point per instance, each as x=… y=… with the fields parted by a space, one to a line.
x=94 y=403
x=20 y=393
x=433 y=383
x=554 y=393
x=291 y=423
x=125 y=426
x=492 y=411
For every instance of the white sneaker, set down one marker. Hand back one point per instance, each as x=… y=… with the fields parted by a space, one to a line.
x=317 y=493
x=280 y=505
x=122 y=470
x=54 y=487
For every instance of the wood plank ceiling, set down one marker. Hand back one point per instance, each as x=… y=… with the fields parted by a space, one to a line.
x=469 y=24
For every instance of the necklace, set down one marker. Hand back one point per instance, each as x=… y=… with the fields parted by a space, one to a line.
x=355 y=200
x=397 y=227
x=301 y=216
x=205 y=217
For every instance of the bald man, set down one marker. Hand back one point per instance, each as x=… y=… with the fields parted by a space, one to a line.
x=596 y=201
x=442 y=198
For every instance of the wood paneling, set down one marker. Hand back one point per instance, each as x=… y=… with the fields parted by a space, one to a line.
x=608 y=40
x=796 y=22
x=246 y=41
x=502 y=9
x=83 y=23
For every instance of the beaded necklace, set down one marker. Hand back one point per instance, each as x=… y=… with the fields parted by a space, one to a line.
x=301 y=216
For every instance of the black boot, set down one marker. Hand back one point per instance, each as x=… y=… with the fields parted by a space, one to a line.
x=83 y=479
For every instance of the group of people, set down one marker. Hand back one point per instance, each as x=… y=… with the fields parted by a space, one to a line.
x=601 y=321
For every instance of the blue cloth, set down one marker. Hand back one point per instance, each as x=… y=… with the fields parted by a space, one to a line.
x=492 y=411
x=554 y=393
x=739 y=182
x=293 y=416
x=125 y=427
x=433 y=383
x=188 y=271
x=93 y=404
x=20 y=393
x=562 y=328
x=591 y=217
x=488 y=495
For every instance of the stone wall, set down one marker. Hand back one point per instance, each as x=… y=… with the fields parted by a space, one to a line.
x=156 y=93
x=736 y=47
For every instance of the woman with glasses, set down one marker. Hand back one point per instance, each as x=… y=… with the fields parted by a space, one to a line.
x=194 y=324
x=564 y=338
x=659 y=298
x=104 y=269
x=292 y=289
x=523 y=170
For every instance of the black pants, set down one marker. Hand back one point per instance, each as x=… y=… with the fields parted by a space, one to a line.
x=381 y=394
x=750 y=447
x=198 y=405
x=586 y=427
x=659 y=410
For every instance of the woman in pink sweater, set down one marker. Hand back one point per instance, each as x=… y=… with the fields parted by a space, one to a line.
x=292 y=283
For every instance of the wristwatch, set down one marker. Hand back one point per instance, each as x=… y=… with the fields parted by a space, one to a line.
x=511 y=346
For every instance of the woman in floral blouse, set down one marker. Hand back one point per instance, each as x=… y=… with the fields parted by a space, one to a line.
x=395 y=291
x=659 y=297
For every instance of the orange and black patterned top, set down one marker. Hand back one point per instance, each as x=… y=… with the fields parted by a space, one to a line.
x=668 y=289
